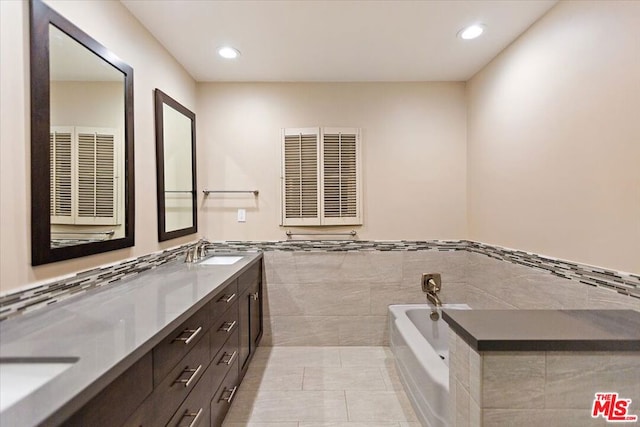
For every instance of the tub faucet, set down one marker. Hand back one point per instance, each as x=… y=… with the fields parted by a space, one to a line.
x=432 y=297
x=431 y=285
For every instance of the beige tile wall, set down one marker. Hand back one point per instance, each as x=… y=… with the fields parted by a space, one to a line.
x=341 y=298
x=535 y=388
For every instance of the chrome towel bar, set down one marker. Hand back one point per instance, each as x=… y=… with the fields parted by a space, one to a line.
x=350 y=233
x=109 y=233
x=207 y=192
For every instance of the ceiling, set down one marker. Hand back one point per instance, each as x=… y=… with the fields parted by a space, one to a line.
x=335 y=40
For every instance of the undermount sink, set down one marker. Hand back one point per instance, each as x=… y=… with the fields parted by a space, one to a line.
x=21 y=376
x=221 y=260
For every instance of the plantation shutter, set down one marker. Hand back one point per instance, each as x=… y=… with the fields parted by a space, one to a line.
x=321 y=177
x=96 y=189
x=340 y=177
x=300 y=175
x=60 y=143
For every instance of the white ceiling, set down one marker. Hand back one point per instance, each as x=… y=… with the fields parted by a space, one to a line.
x=335 y=40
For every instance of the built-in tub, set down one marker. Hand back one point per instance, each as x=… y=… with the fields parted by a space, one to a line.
x=420 y=346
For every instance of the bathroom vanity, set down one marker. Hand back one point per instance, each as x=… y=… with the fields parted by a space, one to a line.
x=167 y=347
x=541 y=367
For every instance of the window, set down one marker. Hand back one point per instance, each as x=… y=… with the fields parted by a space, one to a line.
x=83 y=176
x=321 y=182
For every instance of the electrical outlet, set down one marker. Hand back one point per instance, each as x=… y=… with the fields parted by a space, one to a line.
x=242 y=215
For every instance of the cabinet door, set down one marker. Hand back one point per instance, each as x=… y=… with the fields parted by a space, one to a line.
x=250 y=314
x=255 y=316
x=250 y=324
x=244 y=334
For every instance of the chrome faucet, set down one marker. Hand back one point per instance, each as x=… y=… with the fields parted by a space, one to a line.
x=431 y=285
x=197 y=252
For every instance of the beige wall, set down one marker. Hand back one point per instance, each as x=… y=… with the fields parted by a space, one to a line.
x=554 y=138
x=112 y=25
x=551 y=164
x=414 y=154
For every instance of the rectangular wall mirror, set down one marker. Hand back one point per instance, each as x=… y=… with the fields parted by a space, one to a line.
x=176 y=168
x=82 y=194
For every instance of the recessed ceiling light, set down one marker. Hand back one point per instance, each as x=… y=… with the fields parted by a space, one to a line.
x=471 y=32
x=228 y=52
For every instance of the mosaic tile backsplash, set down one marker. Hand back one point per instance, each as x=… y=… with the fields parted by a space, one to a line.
x=40 y=296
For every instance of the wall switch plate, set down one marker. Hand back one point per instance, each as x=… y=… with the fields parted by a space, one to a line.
x=242 y=215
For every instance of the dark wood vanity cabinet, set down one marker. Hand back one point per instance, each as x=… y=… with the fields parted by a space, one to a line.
x=191 y=377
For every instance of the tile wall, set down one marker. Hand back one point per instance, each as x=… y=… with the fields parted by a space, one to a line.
x=360 y=278
x=554 y=389
x=341 y=298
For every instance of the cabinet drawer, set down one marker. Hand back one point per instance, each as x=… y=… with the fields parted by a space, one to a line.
x=143 y=416
x=223 y=328
x=224 y=359
x=249 y=277
x=195 y=411
x=183 y=378
x=223 y=300
x=224 y=396
x=120 y=399
x=173 y=348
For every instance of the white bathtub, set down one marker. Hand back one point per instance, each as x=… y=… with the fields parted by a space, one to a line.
x=421 y=351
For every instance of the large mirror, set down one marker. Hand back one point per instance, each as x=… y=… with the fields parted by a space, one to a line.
x=176 y=168
x=82 y=193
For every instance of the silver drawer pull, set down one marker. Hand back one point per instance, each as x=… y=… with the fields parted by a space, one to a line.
x=231 y=392
x=196 y=417
x=227 y=358
x=227 y=298
x=254 y=296
x=190 y=338
x=187 y=381
x=227 y=326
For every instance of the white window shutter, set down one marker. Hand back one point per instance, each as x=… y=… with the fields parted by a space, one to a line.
x=300 y=176
x=321 y=176
x=60 y=142
x=96 y=178
x=341 y=177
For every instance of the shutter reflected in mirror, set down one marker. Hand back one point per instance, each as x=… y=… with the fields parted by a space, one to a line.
x=83 y=176
x=96 y=178
x=60 y=140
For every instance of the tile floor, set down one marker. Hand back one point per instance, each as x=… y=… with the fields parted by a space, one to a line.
x=321 y=387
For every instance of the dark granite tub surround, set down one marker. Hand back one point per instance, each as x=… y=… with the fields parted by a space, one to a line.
x=547 y=330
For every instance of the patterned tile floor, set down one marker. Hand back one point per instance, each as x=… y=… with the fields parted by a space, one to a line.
x=321 y=387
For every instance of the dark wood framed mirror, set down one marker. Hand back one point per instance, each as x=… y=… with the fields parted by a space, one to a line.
x=82 y=157
x=176 y=168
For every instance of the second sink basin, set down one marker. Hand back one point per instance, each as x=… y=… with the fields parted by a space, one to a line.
x=221 y=260
x=20 y=377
